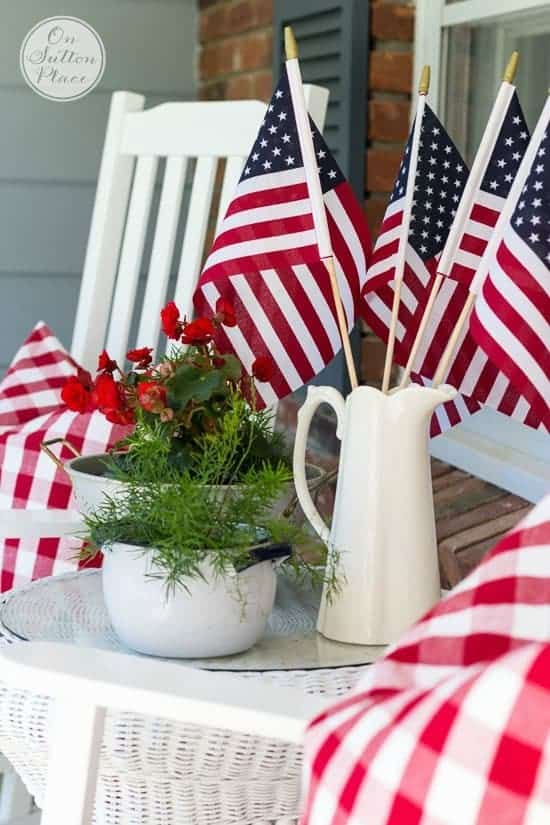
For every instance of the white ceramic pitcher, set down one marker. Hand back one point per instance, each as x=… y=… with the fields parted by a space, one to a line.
x=383 y=526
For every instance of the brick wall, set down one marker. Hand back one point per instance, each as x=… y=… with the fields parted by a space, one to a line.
x=390 y=78
x=236 y=49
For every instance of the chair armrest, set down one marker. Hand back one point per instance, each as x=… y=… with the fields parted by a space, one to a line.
x=107 y=679
x=37 y=524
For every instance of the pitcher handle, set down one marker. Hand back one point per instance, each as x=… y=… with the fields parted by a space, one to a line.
x=315 y=397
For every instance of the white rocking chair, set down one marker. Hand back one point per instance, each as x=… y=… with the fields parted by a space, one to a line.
x=192 y=139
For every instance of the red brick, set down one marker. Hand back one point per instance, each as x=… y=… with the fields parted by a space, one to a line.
x=254 y=51
x=215 y=60
x=235 y=18
x=382 y=166
x=391 y=71
x=212 y=24
x=249 y=14
x=374 y=210
x=239 y=87
x=388 y=120
x=213 y=91
x=262 y=85
x=392 y=22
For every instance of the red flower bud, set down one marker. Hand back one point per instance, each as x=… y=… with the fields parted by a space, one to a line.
x=105 y=363
x=200 y=331
x=226 y=312
x=141 y=356
x=263 y=368
x=120 y=416
x=170 y=319
x=151 y=396
x=75 y=395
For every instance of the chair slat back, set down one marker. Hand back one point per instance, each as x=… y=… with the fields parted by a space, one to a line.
x=136 y=141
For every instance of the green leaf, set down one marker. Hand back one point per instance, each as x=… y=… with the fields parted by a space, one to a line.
x=231 y=369
x=193 y=384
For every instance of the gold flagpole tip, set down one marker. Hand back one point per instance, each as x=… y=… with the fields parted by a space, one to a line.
x=291 y=47
x=424 y=85
x=511 y=68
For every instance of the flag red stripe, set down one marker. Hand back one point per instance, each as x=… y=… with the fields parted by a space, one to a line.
x=267 y=197
x=473 y=244
x=482 y=214
x=264 y=229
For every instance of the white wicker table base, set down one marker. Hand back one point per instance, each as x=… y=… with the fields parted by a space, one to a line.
x=155 y=772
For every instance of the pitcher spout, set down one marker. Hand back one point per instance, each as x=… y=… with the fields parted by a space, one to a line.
x=424 y=399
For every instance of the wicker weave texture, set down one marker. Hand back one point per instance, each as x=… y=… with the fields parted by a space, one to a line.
x=157 y=772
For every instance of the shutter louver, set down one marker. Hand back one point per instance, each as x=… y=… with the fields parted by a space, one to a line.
x=333 y=41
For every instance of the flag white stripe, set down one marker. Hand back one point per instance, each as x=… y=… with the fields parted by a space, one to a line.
x=346 y=230
x=322 y=309
x=519 y=299
x=468 y=259
x=265 y=329
x=245 y=249
x=478 y=229
x=248 y=217
x=490 y=201
x=273 y=180
x=294 y=319
x=530 y=261
x=514 y=349
x=382 y=266
x=383 y=312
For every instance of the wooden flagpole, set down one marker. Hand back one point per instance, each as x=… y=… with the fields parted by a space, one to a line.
x=475 y=177
x=496 y=237
x=315 y=194
x=402 y=250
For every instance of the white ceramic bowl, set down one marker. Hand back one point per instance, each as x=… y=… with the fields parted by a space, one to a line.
x=217 y=616
x=90 y=485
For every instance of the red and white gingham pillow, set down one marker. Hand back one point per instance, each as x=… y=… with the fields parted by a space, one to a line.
x=452 y=726
x=31 y=412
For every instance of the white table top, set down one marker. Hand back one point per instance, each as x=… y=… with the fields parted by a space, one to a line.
x=70 y=608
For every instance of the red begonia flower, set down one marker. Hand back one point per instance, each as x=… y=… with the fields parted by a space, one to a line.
x=151 y=396
x=200 y=331
x=75 y=395
x=170 y=319
x=263 y=368
x=226 y=312
x=107 y=394
x=141 y=356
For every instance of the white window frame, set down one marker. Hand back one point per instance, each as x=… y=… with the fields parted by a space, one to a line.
x=522 y=467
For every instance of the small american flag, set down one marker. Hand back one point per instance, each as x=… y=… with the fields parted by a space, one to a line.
x=439 y=182
x=511 y=317
x=265 y=259
x=503 y=164
x=438 y=191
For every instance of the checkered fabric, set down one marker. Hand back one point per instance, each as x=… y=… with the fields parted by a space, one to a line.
x=452 y=727
x=31 y=412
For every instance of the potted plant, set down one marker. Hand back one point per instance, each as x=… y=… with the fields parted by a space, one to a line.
x=189 y=560
x=172 y=405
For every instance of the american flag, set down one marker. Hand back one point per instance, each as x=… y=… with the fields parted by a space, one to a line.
x=265 y=259
x=489 y=199
x=511 y=316
x=478 y=380
x=439 y=182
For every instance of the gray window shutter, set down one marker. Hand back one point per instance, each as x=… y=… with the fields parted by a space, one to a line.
x=333 y=41
x=333 y=44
